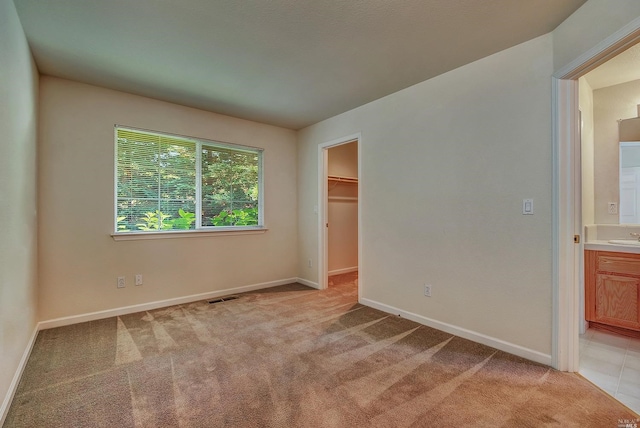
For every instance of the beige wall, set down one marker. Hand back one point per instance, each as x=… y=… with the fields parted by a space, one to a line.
x=610 y=105
x=587 y=155
x=18 y=228
x=80 y=261
x=342 y=209
x=445 y=166
x=343 y=160
x=592 y=23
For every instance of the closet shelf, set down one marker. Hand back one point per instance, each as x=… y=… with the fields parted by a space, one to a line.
x=340 y=179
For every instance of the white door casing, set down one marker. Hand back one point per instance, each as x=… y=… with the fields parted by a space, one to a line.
x=323 y=216
x=566 y=191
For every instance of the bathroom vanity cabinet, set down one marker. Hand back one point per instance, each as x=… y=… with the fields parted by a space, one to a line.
x=612 y=291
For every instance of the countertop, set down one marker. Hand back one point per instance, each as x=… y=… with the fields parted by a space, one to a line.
x=614 y=248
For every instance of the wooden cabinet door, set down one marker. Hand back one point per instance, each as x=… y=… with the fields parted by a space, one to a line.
x=617 y=300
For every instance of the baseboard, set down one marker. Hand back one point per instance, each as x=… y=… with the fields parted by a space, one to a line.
x=6 y=403
x=343 y=270
x=75 y=319
x=511 y=348
x=308 y=283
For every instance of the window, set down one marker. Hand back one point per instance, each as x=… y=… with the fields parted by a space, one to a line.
x=172 y=183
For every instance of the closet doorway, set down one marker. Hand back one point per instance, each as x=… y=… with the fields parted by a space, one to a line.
x=339 y=209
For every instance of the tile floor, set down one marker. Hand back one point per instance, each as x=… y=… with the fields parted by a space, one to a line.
x=612 y=362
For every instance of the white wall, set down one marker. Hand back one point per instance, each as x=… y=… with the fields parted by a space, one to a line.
x=587 y=155
x=342 y=209
x=18 y=251
x=79 y=260
x=445 y=166
x=610 y=105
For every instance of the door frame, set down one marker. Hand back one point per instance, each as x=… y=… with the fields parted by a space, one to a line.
x=566 y=191
x=323 y=211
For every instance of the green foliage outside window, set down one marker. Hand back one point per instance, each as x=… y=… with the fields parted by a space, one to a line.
x=153 y=221
x=246 y=217
x=157 y=177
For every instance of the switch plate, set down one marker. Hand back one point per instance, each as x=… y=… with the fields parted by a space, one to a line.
x=613 y=207
x=527 y=207
x=121 y=282
x=138 y=279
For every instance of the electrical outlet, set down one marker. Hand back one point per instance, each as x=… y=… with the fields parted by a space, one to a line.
x=613 y=207
x=138 y=279
x=427 y=290
x=309 y=263
x=121 y=282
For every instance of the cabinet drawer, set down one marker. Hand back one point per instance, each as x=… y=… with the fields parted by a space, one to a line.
x=617 y=264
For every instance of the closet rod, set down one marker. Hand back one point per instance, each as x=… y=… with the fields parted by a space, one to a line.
x=342 y=179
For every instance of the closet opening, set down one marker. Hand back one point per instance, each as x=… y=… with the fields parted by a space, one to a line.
x=339 y=214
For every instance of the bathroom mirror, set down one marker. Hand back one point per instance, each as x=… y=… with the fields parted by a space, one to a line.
x=629 y=207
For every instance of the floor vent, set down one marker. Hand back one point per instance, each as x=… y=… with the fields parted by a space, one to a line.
x=223 y=299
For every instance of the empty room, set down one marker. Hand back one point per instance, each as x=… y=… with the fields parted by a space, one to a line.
x=317 y=213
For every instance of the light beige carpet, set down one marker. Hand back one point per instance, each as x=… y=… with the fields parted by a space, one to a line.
x=290 y=356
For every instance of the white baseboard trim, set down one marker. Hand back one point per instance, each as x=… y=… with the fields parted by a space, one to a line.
x=343 y=270
x=75 y=319
x=308 y=283
x=511 y=348
x=6 y=403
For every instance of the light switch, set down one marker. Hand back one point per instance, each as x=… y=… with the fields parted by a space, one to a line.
x=527 y=206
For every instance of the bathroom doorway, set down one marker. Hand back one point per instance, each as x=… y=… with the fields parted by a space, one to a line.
x=607 y=94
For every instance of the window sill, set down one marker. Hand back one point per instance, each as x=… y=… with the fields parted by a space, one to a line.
x=202 y=233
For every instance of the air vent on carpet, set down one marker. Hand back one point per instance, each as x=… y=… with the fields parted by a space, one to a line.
x=223 y=299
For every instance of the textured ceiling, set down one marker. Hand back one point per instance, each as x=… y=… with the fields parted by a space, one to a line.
x=290 y=63
x=623 y=68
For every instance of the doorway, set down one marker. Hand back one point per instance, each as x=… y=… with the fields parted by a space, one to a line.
x=610 y=173
x=568 y=228
x=339 y=210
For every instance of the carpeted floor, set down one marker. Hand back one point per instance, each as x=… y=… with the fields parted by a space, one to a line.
x=290 y=356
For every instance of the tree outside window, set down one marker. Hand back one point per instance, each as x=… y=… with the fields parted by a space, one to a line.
x=167 y=182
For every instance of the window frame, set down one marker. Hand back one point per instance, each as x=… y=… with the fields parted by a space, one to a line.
x=199 y=229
